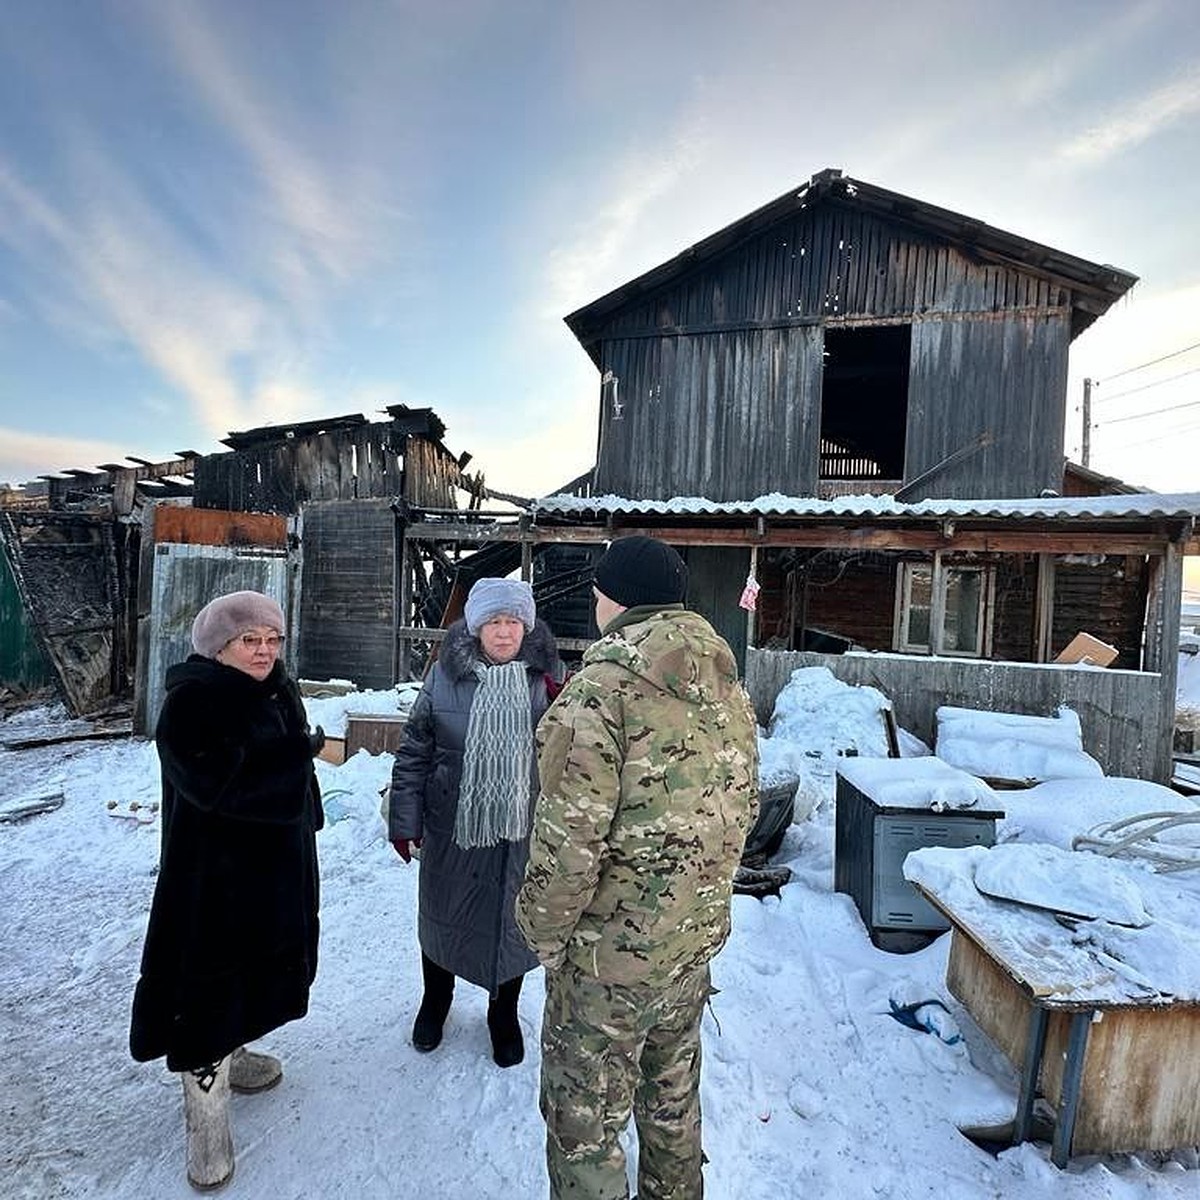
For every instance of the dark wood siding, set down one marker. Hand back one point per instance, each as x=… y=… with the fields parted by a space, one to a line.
x=853 y=596
x=1013 y=634
x=716 y=576
x=1004 y=378
x=1107 y=600
x=833 y=262
x=360 y=462
x=730 y=416
x=718 y=373
x=346 y=592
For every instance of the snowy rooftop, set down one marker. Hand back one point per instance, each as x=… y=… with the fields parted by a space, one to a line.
x=1139 y=505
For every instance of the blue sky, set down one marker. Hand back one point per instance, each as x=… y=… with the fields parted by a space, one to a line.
x=216 y=215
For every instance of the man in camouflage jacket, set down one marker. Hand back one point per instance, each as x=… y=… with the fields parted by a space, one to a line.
x=648 y=765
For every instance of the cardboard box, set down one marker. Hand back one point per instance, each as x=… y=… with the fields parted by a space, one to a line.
x=1089 y=651
x=334 y=751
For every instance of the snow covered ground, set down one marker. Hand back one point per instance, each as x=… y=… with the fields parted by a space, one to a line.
x=810 y=1088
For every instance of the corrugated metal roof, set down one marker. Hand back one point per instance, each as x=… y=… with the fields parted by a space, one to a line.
x=1141 y=505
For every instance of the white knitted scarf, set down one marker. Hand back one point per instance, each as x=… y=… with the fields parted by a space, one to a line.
x=496 y=793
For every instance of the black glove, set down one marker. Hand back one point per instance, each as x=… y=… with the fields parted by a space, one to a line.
x=316 y=740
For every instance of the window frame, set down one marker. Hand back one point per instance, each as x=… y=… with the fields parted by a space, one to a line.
x=940 y=573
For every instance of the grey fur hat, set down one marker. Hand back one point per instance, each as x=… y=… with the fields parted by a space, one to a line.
x=222 y=619
x=490 y=598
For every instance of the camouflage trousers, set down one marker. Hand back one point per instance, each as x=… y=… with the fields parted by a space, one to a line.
x=608 y=1051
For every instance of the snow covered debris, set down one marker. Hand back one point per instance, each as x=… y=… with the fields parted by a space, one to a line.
x=1013 y=746
x=330 y=712
x=818 y=722
x=917 y=783
x=810 y=1087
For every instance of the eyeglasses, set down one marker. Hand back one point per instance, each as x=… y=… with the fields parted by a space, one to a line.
x=252 y=641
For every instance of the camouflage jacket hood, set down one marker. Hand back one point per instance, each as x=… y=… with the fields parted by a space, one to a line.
x=674 y=650
x=649 y=764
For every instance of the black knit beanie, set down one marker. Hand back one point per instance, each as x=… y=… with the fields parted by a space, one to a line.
x=641 y=570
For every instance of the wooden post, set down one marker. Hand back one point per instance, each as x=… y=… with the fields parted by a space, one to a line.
x=1043 y=607
x=750 y=612
x=937 y=606
x=1163 y=622
x=402 y=652
x=1086 y=450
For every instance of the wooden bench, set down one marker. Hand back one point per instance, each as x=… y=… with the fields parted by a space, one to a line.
x=1117 y=1058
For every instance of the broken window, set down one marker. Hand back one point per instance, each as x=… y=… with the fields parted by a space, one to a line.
x=864 y=401
x=944 y=608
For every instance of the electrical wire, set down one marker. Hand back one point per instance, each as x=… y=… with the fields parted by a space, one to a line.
x=1154 y=412
x=1151 y=363
x=1146 y=386
x=1161 y=437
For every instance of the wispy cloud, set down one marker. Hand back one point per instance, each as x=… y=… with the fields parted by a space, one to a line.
x=1035 y=81
x=1142 y=119
x=110 y=264
x=589 y=261
x=132 y=270
x=318 y=212
x=25 y=455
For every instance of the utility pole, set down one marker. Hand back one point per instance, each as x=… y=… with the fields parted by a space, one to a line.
x=1086 y=453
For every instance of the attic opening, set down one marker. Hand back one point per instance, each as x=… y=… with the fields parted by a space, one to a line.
x=864 y=402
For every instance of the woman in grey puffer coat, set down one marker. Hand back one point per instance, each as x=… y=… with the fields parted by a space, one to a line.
x=463 y=789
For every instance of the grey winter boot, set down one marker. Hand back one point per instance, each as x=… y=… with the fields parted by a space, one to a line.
x=250 y=1071
x=206 y=1113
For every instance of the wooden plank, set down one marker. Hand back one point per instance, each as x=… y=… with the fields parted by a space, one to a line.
x=123 y=729
x=376 y=733
x=1043 y=606
x=1141 y=1079
x=24 y=807
x=816 y=536
x=347 y=592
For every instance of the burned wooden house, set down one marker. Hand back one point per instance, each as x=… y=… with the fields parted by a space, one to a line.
x=104 y=570
x=845 y=340
x=856 y=401
x=842 y=339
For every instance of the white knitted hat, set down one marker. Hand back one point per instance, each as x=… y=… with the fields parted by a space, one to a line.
x=490 y=598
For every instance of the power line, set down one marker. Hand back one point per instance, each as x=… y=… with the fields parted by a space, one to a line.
x=1154 y=412
x=1143 y=366
x=1160 y=437
x=1146 y=386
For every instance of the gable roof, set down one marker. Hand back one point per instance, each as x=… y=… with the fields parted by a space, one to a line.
x=1094 y=286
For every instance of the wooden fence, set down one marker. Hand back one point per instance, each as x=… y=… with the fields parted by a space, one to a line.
x=1123 y=714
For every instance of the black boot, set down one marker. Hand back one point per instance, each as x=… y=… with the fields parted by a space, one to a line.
x=508 y=1046
x=435 y=1005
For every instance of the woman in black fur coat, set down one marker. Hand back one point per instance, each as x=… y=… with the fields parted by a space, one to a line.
x=231 y=946
x=463 y=789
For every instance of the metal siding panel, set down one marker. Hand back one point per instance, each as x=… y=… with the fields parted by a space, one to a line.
x=185 y=578
x=22 y=663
